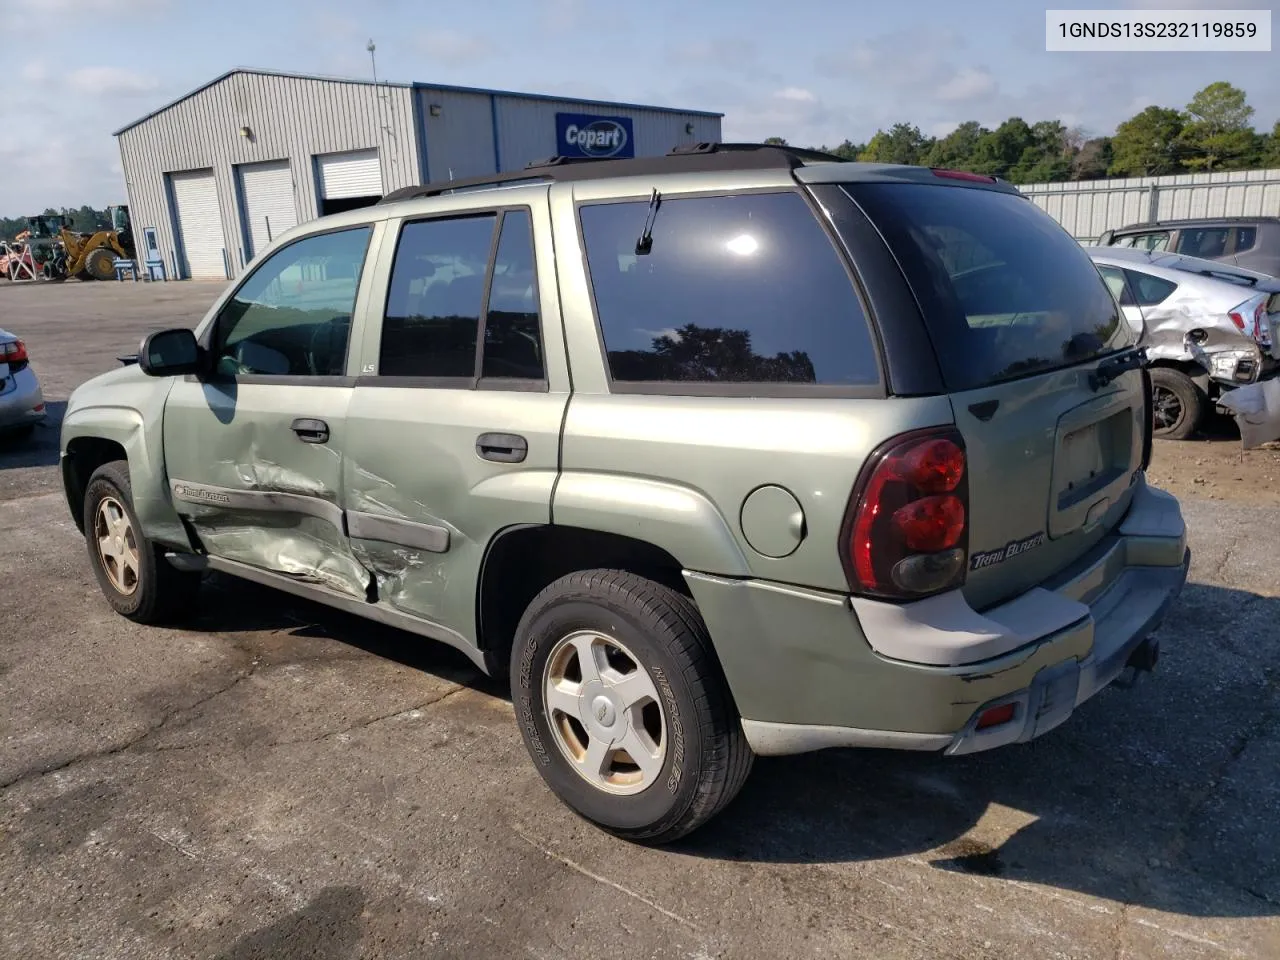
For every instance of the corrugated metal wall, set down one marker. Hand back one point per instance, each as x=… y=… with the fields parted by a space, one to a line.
x=460 y=138
x=527 y=128
x=291 y=118
x=1087 y=208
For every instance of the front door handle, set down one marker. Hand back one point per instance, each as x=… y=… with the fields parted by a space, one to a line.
x=310 y=430
x=502 y=447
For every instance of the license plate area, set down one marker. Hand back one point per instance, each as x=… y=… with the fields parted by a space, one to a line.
x=1093 y=461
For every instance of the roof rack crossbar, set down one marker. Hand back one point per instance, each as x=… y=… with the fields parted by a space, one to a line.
x=686 y=158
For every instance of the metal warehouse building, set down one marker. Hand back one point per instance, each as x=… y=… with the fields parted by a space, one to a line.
x=214 y=175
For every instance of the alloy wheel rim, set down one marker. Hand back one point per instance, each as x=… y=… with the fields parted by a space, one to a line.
x=117 y=546
x=1166 y=407
x=605 y=713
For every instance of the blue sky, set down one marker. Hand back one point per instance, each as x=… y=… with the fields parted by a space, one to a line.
x=812 y=71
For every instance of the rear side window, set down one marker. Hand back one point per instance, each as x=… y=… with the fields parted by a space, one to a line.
x=1005 y=291
x=452 y=292
x=1205 y=242
x=744 y=289
x=1149 y=290
x=1246 y=237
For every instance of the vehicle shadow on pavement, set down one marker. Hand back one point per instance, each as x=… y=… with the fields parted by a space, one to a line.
x=231 y=605
x=39 y=448
x=1165 y=795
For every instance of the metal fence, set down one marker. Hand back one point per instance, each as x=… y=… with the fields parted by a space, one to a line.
x=1087 y=208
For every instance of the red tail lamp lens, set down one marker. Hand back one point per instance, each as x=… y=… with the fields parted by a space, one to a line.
x=931 y=524
x=935 y=466
x=908 y=536
x=15 y=351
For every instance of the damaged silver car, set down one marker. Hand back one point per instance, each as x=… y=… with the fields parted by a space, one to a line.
x=1206 y=326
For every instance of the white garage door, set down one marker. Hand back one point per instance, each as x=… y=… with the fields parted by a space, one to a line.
x=354 y=174
x=195 y=196
x=266 y=192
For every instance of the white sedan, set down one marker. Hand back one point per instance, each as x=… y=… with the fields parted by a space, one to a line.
x=21 y=400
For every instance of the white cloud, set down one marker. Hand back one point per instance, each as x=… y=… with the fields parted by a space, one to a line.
x=453 y=48
x=37 y=71
x=109 y=82
x=724 y=55
x=942 y=128
x=968 y=83
x=798 y=94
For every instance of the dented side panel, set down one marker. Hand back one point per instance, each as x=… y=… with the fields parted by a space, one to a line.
x=428 y=504
x=252 y=489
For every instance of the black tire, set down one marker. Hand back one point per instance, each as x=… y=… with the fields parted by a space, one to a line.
x=161 y=593
x=1183 y=403
x=707 y=758
x=100 y=264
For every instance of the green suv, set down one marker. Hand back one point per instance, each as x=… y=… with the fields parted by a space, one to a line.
x=736 y=451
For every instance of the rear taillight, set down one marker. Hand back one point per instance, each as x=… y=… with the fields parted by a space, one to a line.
x=1148 y=418
x=1261 y=325
x=1250 y=318
x=13 y=353
x=906 y=533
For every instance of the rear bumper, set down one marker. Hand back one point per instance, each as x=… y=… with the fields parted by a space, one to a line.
x=1134 y=607
x=21 y=400
x=808 y=670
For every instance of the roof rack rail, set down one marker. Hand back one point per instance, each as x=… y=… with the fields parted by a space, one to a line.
x=686 y=158
x=799 y=153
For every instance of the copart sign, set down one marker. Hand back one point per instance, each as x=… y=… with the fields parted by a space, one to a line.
x=583 y=135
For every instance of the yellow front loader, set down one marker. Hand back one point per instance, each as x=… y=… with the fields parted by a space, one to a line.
x=86 y=256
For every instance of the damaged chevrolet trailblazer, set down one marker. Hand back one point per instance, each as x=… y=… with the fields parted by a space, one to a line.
x=734 y=451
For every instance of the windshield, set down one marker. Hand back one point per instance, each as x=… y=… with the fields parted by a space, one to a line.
x=1004 y=290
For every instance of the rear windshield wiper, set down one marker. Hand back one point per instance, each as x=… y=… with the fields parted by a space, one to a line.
x=645 y=243
x=1132 y=359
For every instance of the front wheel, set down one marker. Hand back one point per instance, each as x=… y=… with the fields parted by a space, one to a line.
x=623 y=707
x=136 y=579
x=1178 y=405
x=100 y=264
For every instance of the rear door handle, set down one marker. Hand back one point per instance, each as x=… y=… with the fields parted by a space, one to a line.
x=311 y=431
x=502 y=447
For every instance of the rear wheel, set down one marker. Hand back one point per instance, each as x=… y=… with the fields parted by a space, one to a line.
x=1178 y=405
x=623 y=707
x=100 y=264
x=132 y=572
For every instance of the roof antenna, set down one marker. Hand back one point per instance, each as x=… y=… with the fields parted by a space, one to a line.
x=645 y=243
x=373 y=61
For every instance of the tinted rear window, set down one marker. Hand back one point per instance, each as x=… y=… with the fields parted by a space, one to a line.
x=1004 y=290
x=740 y=290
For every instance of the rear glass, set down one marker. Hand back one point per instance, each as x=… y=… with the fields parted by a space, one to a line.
x=1004 y=290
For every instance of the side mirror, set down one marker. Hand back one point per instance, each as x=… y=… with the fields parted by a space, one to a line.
x=170 y=353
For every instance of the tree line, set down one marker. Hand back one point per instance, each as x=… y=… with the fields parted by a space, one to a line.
x=1213 y=132
x=86 y=219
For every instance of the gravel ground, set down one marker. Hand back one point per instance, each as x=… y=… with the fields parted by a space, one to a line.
x=280 y=780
